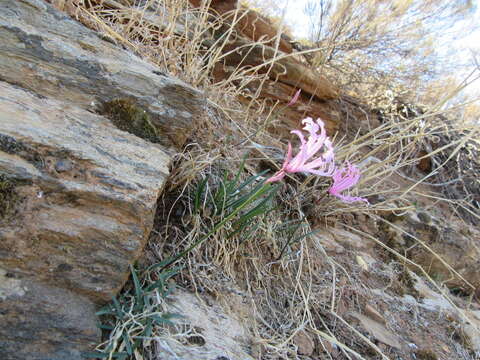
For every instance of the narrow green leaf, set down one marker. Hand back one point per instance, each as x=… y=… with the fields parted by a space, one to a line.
x=198 y=194
x=106 y=310
x=149 y=328
x=159 y=284
x=288 y=243
x=118 y=308
x=287 y=224
x=247 y=234
x=251 y=179
x=163 y=277
x=137 y=285
x=106 y=327
x=231 y=185
x=173 y=316
x=220 y=194
x=128 y=343
x=101 y=355
x=259 y=209
x=301 y=237
x=120 y=355
x=160 y=320
x=161 y=264
x=137 y=342
x=260 y=188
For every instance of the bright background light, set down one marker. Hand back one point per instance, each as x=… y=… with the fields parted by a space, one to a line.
x=461 y=49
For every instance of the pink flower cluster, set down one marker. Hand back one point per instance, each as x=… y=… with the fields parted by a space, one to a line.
x=324 y=165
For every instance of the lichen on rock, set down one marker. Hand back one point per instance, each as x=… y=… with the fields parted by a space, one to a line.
x=9 y=197
x=126 y=115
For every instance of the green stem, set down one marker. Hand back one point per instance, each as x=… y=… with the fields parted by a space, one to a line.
x=252 y=197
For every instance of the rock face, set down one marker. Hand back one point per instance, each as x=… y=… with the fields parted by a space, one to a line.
x=86 y=194
x=43 y=50
x=448 y=250
x=254 y=46
x=249 y=23
x=82 y=196
x=29 y=309
x=78 y=190
x=213 y=333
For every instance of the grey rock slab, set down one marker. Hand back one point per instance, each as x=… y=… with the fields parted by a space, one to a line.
x=43 y=50
x=78 y=228
x=215 y=334
x=80 y=197
x=43 y=322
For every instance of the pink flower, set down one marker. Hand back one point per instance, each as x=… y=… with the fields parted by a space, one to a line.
x=295 y=97
x=324 y=165
x=344 y=179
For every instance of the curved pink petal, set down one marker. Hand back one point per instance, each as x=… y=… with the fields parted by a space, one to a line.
x=344 y=179
x=294 y=98
x=310 y=125
x=316 y=143
x=301 y=157
x=279 y=175
x=327 y=170
x=288 y=157
x=324 y=161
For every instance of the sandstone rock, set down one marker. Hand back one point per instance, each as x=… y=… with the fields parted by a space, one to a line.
x=327 y=240
x=447 y=244
x=43 y=50
x=43 y=322
x=469 y=320
x=378 y=331
x=85 y=197
x=249 y=23
x=215 y=334
x=362 y=263
x=337 y=241
x=77 y=228
x=428 y=298
x=373 y=314
x=286 y=70
x=471 y=330
x=306 y=105
x=305 y=344
x=350 y=240
x=286 y=74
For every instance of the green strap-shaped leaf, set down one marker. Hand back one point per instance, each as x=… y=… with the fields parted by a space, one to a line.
x=198 y=195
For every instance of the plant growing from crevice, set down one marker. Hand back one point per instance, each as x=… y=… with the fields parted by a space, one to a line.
x=234 y=202
x=242 y=203
x=135 y=316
